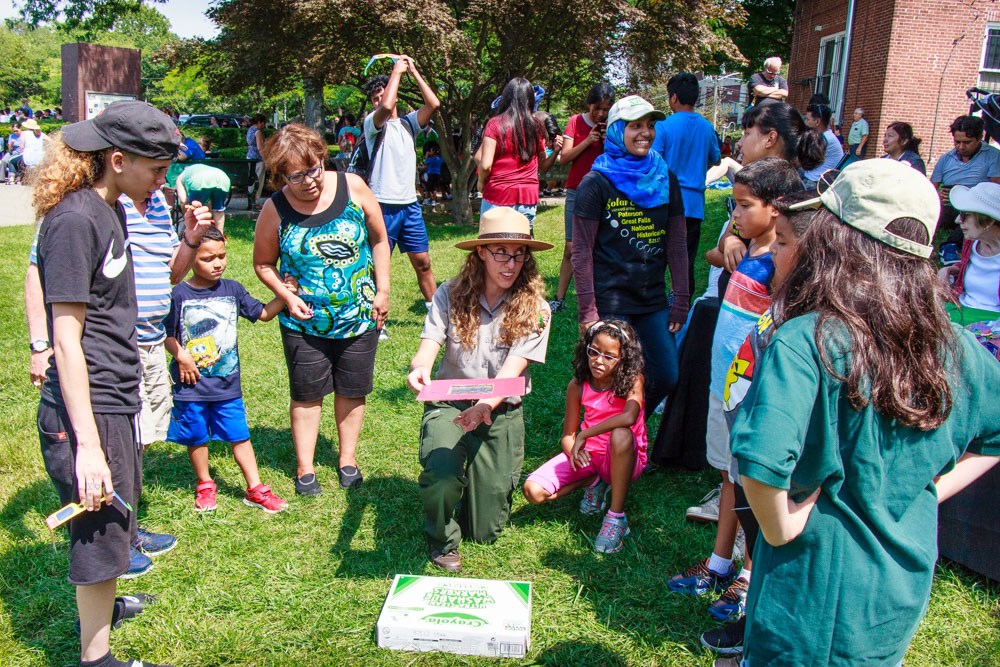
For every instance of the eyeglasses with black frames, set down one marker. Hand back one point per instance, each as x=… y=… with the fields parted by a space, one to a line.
x=502 y=256
x=300 y=176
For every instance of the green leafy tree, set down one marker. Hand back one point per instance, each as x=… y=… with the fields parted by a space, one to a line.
x=767 y=32
x=467 y=50
x=89 y=18
x=24 y=69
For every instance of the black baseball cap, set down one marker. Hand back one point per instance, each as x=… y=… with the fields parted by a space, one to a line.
x=131 y=125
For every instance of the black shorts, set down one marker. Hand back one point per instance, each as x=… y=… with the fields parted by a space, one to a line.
x=433 y=181
x=320 y=366
x=99 y=541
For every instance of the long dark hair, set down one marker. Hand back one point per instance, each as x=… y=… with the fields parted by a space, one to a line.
x=630 y=362
x=889 y=305
x=781 y=118
x=600 y=93
x=905 y=133
x=515 y=110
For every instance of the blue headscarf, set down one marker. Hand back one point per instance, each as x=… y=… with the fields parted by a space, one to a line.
x=644 y=180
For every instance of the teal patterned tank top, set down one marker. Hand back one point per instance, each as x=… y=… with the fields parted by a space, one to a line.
x=329 y=255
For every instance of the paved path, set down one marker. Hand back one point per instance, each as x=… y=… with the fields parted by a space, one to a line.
x=15 y=205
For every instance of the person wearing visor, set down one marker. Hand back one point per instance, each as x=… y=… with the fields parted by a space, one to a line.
x=868 y=407
x=975 y=280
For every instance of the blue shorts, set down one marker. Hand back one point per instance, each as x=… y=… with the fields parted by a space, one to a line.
x=194 y=423
x=214 y=198
x=405 y=226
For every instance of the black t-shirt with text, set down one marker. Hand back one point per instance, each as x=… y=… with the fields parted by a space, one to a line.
x=84 y=257
x=630 y=248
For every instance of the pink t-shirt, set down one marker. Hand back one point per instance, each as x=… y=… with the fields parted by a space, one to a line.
x=511 y=181
x=601 y=405
x=577 y=129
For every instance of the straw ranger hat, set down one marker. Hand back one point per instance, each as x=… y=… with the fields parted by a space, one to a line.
x=503 y=225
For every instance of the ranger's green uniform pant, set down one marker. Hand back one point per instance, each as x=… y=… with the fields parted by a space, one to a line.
x=468 y=479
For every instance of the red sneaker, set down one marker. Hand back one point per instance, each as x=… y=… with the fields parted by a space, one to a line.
x=261 y=496
x=204 y=496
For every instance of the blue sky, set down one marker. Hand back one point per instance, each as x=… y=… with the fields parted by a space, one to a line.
x=187 y=17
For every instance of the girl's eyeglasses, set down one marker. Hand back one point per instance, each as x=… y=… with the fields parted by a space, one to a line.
x=594 y=353
x=300 y=176
x=502 y=256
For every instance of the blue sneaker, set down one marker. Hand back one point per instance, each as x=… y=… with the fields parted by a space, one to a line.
x=950 y=254
x=698 y=579
x=733 y=602
x=154 y=544
x=138 y=564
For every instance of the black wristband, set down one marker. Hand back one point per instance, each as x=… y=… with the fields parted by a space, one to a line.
x=188 y=243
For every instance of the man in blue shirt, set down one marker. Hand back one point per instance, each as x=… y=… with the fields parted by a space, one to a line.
x=690 y=146
x=189 y=149
x=969 y=163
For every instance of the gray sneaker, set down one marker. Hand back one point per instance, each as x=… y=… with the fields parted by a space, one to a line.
x=613 y=532
x=595 y=498
x=708 y=508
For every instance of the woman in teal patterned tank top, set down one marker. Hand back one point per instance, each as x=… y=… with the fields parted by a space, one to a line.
x=325 y=231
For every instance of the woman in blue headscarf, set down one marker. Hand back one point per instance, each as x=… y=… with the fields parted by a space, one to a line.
x=628 y=230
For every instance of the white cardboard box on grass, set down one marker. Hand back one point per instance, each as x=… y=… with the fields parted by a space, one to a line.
x=453 y=615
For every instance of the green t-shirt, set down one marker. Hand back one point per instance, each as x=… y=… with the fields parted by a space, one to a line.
x=852 y=588
x=199 y=177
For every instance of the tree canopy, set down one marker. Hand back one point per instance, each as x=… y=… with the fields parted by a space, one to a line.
x=467 y=50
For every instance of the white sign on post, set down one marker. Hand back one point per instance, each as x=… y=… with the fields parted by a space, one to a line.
x=98 y=102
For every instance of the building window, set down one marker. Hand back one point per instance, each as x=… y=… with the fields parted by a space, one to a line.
x=989 y=66
x=829 y=79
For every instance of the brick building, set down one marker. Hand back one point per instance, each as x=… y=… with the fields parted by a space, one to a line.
x=900 y=60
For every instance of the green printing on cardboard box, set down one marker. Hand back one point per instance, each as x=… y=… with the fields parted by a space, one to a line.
x=459 y=598
x=456 y=618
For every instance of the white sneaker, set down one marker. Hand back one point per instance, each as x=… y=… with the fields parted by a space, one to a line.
x=740 y=545
x=708 y=509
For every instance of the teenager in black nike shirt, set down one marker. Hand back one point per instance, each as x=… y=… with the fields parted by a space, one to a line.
x=90 y=396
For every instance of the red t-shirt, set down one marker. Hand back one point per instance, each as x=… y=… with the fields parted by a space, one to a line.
x=511 y=181
x=577 y=129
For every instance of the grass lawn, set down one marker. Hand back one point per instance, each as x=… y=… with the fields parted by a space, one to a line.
x=305 y=587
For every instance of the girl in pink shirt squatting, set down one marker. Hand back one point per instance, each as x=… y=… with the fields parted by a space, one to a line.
x=607 y=451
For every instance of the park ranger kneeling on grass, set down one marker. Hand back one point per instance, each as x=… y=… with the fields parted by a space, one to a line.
x=492 y=320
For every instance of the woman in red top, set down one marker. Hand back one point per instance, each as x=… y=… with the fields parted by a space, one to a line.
x=582 y=143
x=513 y=152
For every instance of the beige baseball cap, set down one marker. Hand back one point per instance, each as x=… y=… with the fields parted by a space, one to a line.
x=633 y=107
x=870 y=194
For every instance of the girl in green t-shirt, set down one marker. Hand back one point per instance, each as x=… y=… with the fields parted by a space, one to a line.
x=865 y=395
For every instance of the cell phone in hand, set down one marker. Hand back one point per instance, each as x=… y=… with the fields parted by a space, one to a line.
x=73 y=510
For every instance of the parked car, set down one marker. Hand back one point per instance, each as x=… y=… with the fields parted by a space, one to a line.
x=205 y=120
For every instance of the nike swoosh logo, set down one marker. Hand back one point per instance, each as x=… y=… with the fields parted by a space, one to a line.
x=113 y=266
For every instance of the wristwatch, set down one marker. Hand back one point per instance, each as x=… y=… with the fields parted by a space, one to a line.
x=39 y=345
